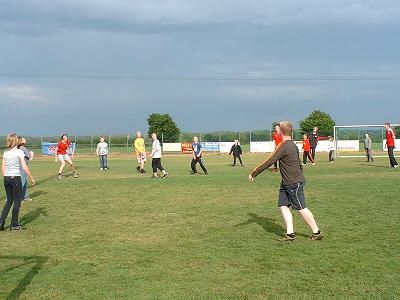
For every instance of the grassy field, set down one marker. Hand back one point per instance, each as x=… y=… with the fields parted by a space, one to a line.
x=122 y=235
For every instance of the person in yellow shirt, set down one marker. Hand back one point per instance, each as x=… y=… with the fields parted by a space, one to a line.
x=140 y=149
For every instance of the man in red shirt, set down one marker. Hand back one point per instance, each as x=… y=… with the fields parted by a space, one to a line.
x=390 y=143
x=277 y=137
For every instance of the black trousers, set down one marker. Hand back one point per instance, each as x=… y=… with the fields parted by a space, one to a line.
x=313 y=152
x=368 y=153
x=238 y=157
x=13 y=187
x=393 y=161
x=200 y=161
x=156 y=164
x=331 y=155
x=306 y=154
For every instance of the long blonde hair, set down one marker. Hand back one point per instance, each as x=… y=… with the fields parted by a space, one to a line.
x=12 y=141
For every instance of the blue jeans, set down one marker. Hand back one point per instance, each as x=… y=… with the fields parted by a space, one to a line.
x=24 y=181
x=103 y=161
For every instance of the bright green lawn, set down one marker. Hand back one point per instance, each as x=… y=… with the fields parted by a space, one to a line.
x=122 y=235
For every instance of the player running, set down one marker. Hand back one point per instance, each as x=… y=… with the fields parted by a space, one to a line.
x=140 y=149
x=61 y=155
x=197 y=156
x=291 y=192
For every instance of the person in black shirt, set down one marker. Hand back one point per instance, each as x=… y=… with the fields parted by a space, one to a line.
x=237 y=151
x=291 y=193
x=313 y=138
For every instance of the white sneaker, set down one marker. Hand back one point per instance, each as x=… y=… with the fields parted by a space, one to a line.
x=395 y=166
x=101 y=169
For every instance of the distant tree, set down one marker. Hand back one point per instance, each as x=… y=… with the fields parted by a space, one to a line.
x=320 y=119
x=163 y=124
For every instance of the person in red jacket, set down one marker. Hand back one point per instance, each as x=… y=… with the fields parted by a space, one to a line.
x=390 y=143
x=306 y=150
x=277 y=137
x=62 y=156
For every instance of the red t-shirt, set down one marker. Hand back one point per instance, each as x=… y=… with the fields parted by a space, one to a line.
x=277 y=138
x=390 y=137
x=62 y=147
x=306 y=145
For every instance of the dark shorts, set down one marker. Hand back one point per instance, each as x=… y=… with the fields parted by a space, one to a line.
x=292 y=196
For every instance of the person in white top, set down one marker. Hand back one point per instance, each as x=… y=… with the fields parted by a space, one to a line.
x=13 y=160
x=102 y=153
x=156 y=154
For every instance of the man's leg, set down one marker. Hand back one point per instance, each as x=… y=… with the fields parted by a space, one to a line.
x=203 y=166
x=193 y=165
x=305 y=153
x=105 y=162
x=313 y=153
x=309 y=219
x=310 y=157
x=234 y=159
x=287 y=219
x=392 y=160
x=101 y=161
x=240 y=160
x=154 y=166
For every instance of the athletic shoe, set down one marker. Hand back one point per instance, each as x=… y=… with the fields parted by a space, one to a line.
x=242 y=165
x=101 y=169
x=288 y=238
x=395 y=166
x=154 y=176
x=313 y=164
x=194 y=173
x=75 y=175
x=206 y=173
x=16 y=228
x=233 y=165
x=106 y=169
x=142 y=171
x=26 y=200
x=60 y=177
x=138 y=168
x=317 y=236
x=165 y=175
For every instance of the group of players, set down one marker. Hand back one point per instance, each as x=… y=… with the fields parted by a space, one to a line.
x=16 y=158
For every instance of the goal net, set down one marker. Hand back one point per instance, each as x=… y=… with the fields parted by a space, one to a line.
x=349 y=140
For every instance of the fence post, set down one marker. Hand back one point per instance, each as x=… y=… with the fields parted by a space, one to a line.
x=250 y=138
x=91 y=144
x=127 y=143
x=239 y=137
x=200 y=137
x=109 y=141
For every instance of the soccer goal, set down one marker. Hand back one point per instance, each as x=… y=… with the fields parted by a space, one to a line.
x=349 y=140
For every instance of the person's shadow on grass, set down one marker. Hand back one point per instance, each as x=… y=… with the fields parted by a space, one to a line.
x=33 y=263
x=33 y=215
x=268 y=224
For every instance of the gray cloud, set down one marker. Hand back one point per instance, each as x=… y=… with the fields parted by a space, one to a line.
x=147 y=16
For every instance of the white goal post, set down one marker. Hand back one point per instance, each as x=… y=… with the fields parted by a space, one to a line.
x=360 y=129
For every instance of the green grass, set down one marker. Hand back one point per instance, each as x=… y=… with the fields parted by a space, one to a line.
x=122 y=235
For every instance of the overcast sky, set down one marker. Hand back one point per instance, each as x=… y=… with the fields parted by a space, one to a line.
x=220 y=38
